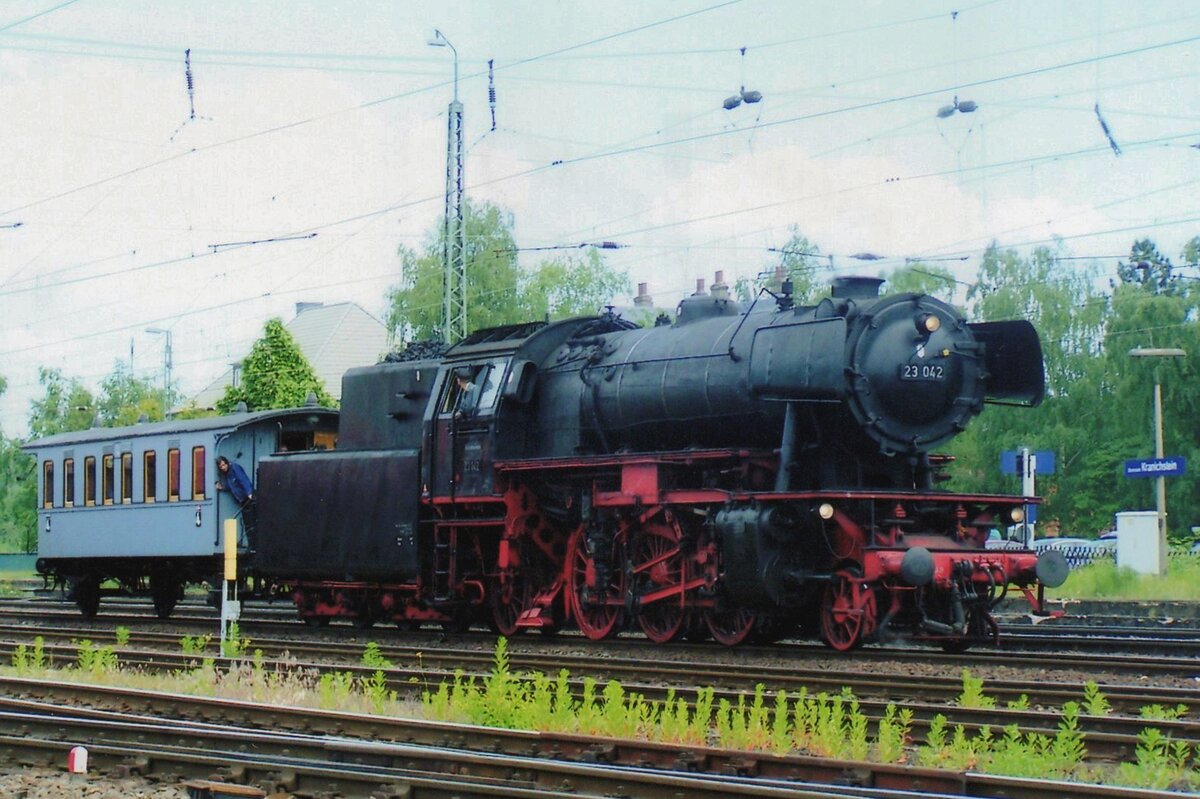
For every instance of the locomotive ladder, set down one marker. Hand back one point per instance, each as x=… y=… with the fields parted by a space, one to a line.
x=445 y=547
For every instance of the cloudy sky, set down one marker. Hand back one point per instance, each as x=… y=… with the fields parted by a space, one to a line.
x=329 y=118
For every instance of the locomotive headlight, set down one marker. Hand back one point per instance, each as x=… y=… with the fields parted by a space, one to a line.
x=1017 y=515
x=825 y=511
x=928 y=323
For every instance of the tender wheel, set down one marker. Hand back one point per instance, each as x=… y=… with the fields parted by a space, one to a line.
x=165 y=593
x=730 y=627
x=85 y=591
x=848 y=613
x=658 y=565
x=596 y=608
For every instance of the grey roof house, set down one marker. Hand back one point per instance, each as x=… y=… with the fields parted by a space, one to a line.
x=333 y=338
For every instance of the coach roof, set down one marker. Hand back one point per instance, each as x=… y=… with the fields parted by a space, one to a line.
x=230 y=421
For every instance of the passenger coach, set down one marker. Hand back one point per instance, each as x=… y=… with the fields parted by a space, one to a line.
x=138 y=505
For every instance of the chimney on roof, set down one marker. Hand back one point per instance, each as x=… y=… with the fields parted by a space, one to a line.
x=720 y=289
x=643 y=298
x=301 y=307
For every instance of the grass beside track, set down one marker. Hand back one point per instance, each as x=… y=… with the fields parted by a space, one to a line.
x=821 y=724
x=1103 y=580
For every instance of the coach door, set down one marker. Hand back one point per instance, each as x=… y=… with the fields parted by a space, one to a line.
x=462 y=446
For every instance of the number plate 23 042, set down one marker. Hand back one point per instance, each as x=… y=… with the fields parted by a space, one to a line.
x=922 y=371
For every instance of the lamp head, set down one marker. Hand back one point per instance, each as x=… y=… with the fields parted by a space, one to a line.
x=437 y=39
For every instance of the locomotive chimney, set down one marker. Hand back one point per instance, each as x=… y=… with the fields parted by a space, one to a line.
x=720 y=289
x=699 y=287
x=856 y=288
x=643 y=298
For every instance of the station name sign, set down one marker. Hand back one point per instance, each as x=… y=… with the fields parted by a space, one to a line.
x=1156 y=467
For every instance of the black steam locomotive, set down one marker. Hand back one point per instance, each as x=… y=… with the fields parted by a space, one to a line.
x=736 y=473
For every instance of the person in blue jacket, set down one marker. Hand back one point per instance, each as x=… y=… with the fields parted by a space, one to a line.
x=233 y=478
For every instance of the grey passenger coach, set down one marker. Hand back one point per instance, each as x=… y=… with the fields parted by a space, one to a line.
x=139 y=507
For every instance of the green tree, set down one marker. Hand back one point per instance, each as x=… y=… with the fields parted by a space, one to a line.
x=18 y=498
x=570 y=285
x=499 y=291
x=493 y=275
x=18 y=495
x=1062 y=301
x=124 y=399
x=275 y=375
x=67 y=405
x=802 y=262
x=921 y=278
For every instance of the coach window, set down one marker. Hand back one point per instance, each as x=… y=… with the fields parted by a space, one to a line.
x=47 y=484
x=89 y=481
x=126 y=478
x=149 y=477
x=172 y=475
x=197 y=472
x=106 y=479
x=69 y=483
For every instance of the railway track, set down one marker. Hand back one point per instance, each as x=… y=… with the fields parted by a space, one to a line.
x=1017 y=638
x=1108 y=737
x=173 y=736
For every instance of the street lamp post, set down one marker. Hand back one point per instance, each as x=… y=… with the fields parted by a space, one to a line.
x=166 y=356
x=454 y=272
x=1159 y=352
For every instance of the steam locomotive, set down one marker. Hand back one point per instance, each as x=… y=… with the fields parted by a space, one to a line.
x=736 y=473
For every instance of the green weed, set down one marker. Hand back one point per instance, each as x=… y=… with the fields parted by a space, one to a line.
x=373 y=658
x=1095 y=703
x=94 y=659
x=195 y=645
x=234 y=646
x=972 y=695
x=122 y=636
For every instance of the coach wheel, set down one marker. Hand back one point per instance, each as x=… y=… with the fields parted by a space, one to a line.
x=730 y=627
x=595 y=613
x=86 y=590
x=847 y=611
x=658 y=565
x=165 y=593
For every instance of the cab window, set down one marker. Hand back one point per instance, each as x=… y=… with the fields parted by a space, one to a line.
x=172 y=475
x=89 y=481
x=197 y=472
x=149 y=477
x=69 y=483
x=126 y=478
x=481 y=399
x=106 y=479
x=47 y=484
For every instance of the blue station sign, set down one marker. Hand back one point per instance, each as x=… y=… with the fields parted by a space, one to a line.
x=1011 y=462
x=1156 y=467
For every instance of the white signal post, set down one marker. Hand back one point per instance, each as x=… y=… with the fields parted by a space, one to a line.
x=1028 y=470
x=1159 y=352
